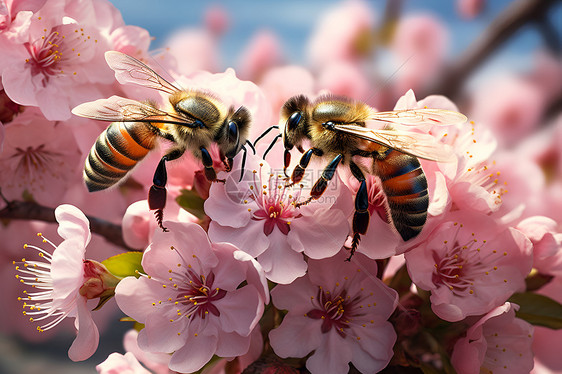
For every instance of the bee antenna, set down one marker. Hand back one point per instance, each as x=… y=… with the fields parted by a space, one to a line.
x=265 y=133
x=251 y=146
x=271 y=145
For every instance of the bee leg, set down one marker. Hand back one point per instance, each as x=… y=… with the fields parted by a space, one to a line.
x=243 y=164
x=298 y=172
x=271 y=145
x=361 y=216
x=210 y=172
x=322 y=182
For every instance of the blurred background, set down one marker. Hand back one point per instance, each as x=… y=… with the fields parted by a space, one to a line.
x=499 y=61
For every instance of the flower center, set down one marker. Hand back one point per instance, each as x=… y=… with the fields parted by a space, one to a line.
x=198 y=294
x=276 y=203
x=332 y=310
x=57 y=50
x=459 y=265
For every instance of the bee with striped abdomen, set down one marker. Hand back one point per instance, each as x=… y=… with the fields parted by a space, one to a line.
x=339 y=129
x=192 y=120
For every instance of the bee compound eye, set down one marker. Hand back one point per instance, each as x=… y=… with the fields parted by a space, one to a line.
x=294 y=120
x=233 y=132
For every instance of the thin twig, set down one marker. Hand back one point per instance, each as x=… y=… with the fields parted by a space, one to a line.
x=517 y=15
x=22 y=210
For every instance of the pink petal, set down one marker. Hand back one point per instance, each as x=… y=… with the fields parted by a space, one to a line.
x=136 y=296
x=188 y=239
x=67 y=269
x=239 y=310
x=72 y=223
x=232 y=345
x=320 y=235
x=196 y=352
x=280 y=263
x=161 y=335
x=223 y=208
x=230 y=272
x=294 y=296
x=87 y=340
x=374 y=351
x=297 y=336
x=332 y=356
x=250 y=239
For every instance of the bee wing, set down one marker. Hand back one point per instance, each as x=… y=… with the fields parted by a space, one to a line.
x=414 y=144
x=130 y=70
x=420 y=117
x=120 y=109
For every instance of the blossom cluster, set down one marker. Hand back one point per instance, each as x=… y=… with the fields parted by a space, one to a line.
x=252 y=273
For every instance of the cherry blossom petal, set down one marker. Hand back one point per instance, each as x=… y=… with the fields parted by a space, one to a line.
x=319 y=235
x=87 y=340
x=72 y=223
x=232 y=345
x=280 y=265
x=296 y=337
x=194 y=354
x=238 y=310
x=325 y=361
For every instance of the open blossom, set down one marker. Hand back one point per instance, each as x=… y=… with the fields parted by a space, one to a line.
x=547 y=243
x=65 y=281
x=44 y=165
x=60 y=62
x=470 y=263
x=497 y=343
x=259 y=215
x=190 y=300
x=339 y=310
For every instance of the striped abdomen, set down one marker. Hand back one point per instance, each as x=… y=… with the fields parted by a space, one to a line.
x=117 y=150
x=405 y=186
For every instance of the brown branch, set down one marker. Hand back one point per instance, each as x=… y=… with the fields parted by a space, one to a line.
x=500 y=30
x=22 y=210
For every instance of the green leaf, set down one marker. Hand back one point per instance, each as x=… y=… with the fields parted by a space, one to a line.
x=124 y=264
x=192 y=202
x=538 y=310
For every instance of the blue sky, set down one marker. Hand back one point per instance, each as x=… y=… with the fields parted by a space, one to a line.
x=293 y=21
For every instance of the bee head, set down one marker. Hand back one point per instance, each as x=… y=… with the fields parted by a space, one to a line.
x=293 y=121
x=234 y=131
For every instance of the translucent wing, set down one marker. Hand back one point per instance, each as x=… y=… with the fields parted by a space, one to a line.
x=130 y=70
x=120 y=109
x=415 y=144
x=420 y=117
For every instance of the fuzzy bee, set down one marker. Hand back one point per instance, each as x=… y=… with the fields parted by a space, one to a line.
x=191 y=120
x=339 y=130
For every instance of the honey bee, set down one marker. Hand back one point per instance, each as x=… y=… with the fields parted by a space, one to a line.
x=339 y=129
x=192 y=120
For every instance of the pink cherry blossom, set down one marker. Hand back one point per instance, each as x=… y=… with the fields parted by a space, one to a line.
x=420 y=44
x=216 y=20
x=510 y=106
x=470 y=263
x=60 y=282
x=190 y=300
x=261 y=54
x=546 y=237
x=59 y=62
x=344 y=78
x=40 y=159
x=342 y=33
x=469 y=9
x=498 y=342
x=194 y=50
x=259 y=216
x=339 y=311
x=116 y=363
